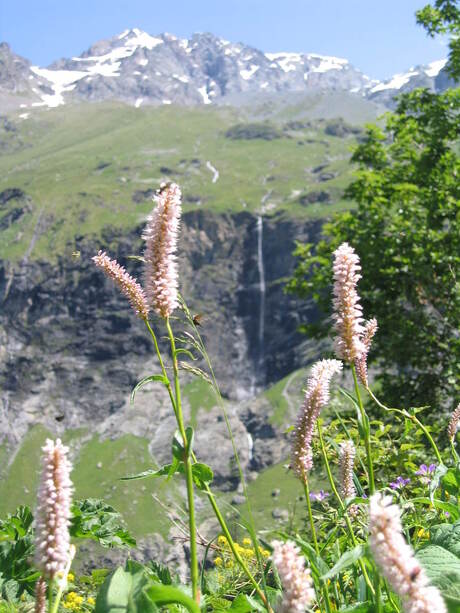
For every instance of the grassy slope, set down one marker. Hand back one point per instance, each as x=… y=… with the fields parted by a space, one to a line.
x=82 y=164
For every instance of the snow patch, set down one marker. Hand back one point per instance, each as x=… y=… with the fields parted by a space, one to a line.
x=24 y=115
x=327 y=62
x=396 y=82
x=434 y=68
x=247 y=74
x=166 y=102
x=264 y=85
x=61 y=81
x=143 y=62
x=181 y=78
x=138 y=103
x=285 y=61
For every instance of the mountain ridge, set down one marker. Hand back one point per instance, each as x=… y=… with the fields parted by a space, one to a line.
x=140 y=69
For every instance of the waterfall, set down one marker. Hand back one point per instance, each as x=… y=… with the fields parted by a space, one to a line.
x=260 y=267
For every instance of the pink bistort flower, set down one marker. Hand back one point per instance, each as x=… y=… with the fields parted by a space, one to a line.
x=348 y=313
x=160 y=235
x=52 y=540
x=370 y=329
x=298 y=592
x=316 y=397
x=397 y=561
x=453 y=424
x=127 y=284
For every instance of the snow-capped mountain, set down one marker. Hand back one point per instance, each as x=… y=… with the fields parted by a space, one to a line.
x=141 y=69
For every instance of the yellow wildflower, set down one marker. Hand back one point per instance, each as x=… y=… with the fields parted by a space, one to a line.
x=222 y=540
x=90 y=600
x=70 y=577
x=218 y=561
x=247 y=541
x=229 y=564
x=423 y=534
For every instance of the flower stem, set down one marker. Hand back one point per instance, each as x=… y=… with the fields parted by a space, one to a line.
x=162 y=366
x=342 y=506
x=310 y=514
x=366 y=433
x=414 y=419
x=188 y=468
x=231 y=543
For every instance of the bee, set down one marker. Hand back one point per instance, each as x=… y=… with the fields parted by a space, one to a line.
x=415 y=573
x=163 y=187
x=197 y=319
x=76 y=254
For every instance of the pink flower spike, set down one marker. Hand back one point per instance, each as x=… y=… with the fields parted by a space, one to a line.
x=453 y=424
x=347 y=310
x=298 y=592
x=160 y=235
x=370 y=329
x=128 y=286
x=397 y=561
x=346 y=462
x=316 y=397
x=52 y=540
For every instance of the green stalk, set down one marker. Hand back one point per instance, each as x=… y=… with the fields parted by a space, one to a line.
x=342 y=506
x=188 y=469
x=414 y=419
x=211 y=498
x=163 y=369
x=231 y=543
x=367 y=441
x=205 y=355
x=53 y=606
x=310 y=513
x=315 y=540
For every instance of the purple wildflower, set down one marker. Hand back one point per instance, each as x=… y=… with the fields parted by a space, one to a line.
x=425 y=472
x=318 y=496
x=399 y=483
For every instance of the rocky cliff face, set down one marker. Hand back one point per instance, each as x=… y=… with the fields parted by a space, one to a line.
x=71 y=350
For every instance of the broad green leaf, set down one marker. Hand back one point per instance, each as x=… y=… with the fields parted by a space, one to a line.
x=146 y=380
x=163 y=595
x=245 y=604
x=451 y=481
x=447 y=536
x=202 y=475
x=443 y=569
x=345 y=561
x=113 y=595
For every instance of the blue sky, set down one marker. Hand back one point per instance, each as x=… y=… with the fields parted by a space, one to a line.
x=379 y=37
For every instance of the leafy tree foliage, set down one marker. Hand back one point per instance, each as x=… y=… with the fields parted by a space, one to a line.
x=406 y=230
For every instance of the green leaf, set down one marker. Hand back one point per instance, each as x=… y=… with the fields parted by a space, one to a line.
x=186 y=352
x=447 y=536
x=345 y=561
x=451 y=481
x=443 y=569
x=95 y=519
x=146 y=380
x=439 y=504
x=440 y=471
x=202 y=475
x=178 y=451
x=190 y=435
x=245 y=604
x=113 y=595
x=167 y=594
x=147 y=474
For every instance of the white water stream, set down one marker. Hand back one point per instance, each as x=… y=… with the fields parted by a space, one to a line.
x=261 y=269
